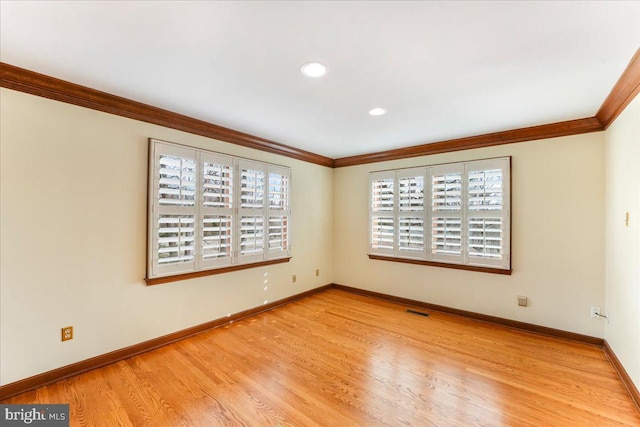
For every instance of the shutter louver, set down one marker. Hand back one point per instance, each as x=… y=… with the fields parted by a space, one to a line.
x=251 y=235
x=216 y=237
x=382 y=233
x=251 y=189
x=382 y=195
x=485 y=190
x=176 y=239
x=217 y=185
x=485 y=237
x=411 y=234
x=177 y=181
x=446 y=192
x=446 y=236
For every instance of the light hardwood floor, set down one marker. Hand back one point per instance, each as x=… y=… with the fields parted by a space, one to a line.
x=339 y=359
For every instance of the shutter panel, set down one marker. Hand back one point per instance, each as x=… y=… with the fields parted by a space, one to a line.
x=485 y=190
x=217 y=238
x=173 y=199
x=487 y=219
x=411 y=213
x=252 y=177
x=382 y=195
x=382 y=213
x=446 y=183
x=446 y=236
x=278 y=212
x=216 y=246
x=176 y=180
x=176 y=239
x=382 y=232
x=485 y=238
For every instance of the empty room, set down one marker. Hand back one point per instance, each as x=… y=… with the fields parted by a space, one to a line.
x=309 y=213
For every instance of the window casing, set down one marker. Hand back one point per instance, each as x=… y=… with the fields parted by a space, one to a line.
x=457 y=213
x=209 y=210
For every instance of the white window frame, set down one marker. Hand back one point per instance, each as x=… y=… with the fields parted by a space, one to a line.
x=234 y=210
x=465 y=258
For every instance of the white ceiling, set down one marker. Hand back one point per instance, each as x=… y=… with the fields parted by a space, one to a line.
x=443 y=69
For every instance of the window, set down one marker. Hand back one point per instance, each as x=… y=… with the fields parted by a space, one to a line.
x=453 y=214
x=209 y=211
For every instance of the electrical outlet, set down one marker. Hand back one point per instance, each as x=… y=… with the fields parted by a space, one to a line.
x=317 y=272
x=523 y=301
x=595 y=312
x=67 y=333
x=293 y=278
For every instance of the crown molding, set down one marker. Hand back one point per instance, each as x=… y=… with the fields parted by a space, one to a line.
x=623 y=92
x=12 y=77
x=571 y=127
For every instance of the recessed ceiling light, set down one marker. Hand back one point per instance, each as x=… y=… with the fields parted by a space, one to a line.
x=378 y=111
x=314 y=69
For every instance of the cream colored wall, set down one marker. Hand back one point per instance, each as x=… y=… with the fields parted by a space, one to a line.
x=557 y=234
x=623 y=243
x=73 y=188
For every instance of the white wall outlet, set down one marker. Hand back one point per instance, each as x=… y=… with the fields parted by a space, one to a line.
x=595 y=312
x=523 y=301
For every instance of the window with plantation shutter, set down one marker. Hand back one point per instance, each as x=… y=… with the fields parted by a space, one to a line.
x=210 y=210
x=455 y=213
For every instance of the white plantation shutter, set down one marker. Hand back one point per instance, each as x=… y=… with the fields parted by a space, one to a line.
x=453 y=213
x=446 y=212
x=382 y=213
x=488 y=213
x=210 y=210
x=411 y=213
x=216 y=210
x=278 y=211
x=251 y=211
x=173 y=227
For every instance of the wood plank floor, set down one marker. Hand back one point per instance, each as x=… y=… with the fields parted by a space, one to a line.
x=338 y=359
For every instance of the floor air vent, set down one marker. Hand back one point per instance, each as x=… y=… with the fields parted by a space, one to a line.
x=418 y=313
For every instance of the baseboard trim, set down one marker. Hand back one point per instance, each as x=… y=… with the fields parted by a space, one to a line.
x=622 y=373
x=530 y=327
x=49 y=377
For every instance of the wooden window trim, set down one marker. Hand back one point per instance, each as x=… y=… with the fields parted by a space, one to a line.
x=214 y=271
x=442 y=264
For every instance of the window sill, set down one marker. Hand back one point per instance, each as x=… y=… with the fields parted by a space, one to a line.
x=193 y=275
x=443 y=264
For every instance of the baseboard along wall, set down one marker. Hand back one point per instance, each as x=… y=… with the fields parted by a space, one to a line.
x=67 y=371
